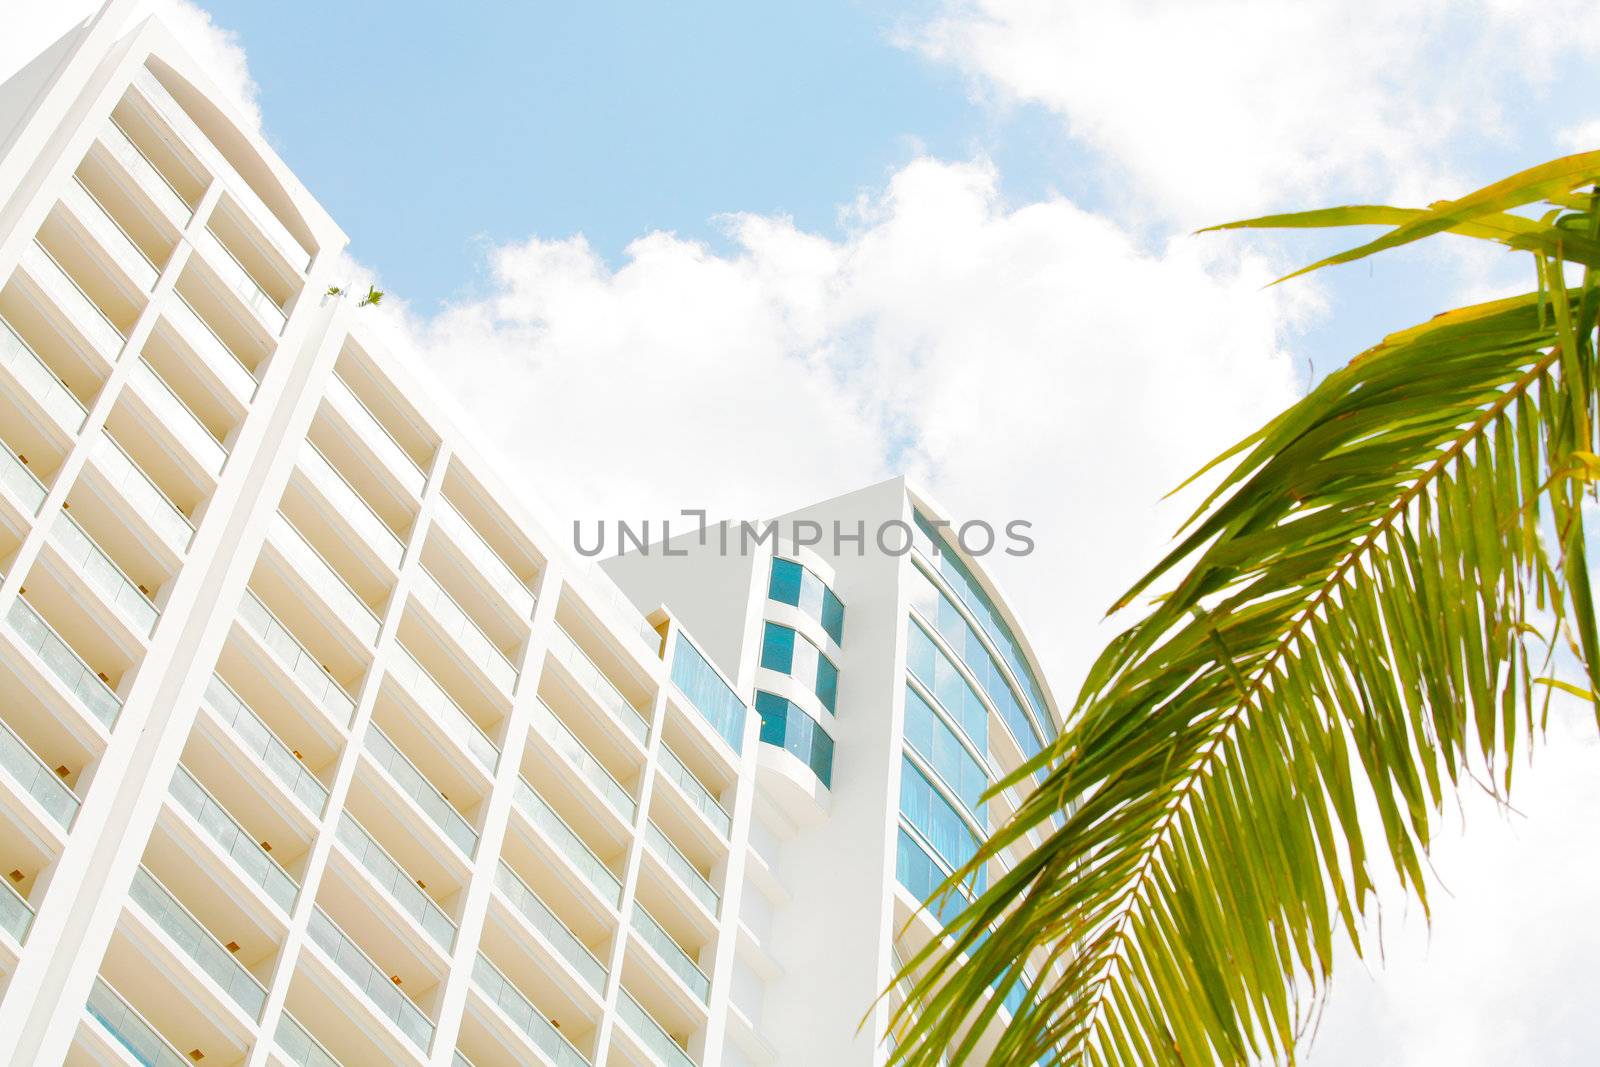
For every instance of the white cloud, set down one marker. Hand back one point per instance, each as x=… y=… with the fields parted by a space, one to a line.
x=1223 y=109
x=1580 y=137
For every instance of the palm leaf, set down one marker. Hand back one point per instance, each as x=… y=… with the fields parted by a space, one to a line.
x=1342 y=627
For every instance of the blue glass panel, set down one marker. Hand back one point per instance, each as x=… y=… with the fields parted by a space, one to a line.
x=705 y=689
x=784 y=586
x=833 y=616
x=788 y=727
x=777 y=648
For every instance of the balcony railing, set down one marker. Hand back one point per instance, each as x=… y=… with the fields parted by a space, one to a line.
x=370 y=979
x=74 y=674
x=19 y=481
x=701 y=797
x=114 y=241
x=599 y=686
x=473 y=642
x=320 y=575
x=130 y=1030
x=36 y=778
x=538 y=914
x=430 y=695
x=485 y=558
x=567 y=840
x=176 y=417
x=239 y=282
x=173 y=919
x=679 y=865
x=300 y=663
x=401 y=887
x=84 y=314
x=171 y=524
x=145 y=174
x=628 y=617
x=39 y=381
x=650 y=1033
x=257 y=738
x=415 y=785
x=671 y=952
x=563 y=740
x=194 y=332
x=351 y=506
x=388 y=450
x=232 y=839
x=15 y=915
x=299 y=1047
x=499 y=991
x=90 y=562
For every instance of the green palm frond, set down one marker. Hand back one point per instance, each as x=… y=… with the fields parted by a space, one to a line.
x=1354 y=613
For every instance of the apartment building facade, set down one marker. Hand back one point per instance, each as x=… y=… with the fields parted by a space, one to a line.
x=318 y=746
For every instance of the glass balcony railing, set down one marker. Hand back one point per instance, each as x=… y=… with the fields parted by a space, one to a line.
x=401 y=887
x=204 y=342
x=599 y=686
x=19 y=481
x=396 y=459
x=356 y=511
x=238 y=281
x=85 y=316
x=458 y=1060
x=477 y=647
x=59 y=658
x=113 y=240
x=257 y=738
x=414 y=785
x=15 y=915
x=328 y=693
x=527 y=904
x=679 y=865
x=130 y=1030
x=701 y=797
x=148 y=500
x=36 y=779
x=499 y=991
x=145 y=175
x=676 y=959
x=650 y=1033
x=299 y=1047
x=196 y=942
x=176 y=417
x=231 y=838
x=39 y=381
x=368 y=977
x=430 y=695
x=484 y=558
x=628 y=617
x=564 y=741
x=90 y=562
x=317 y=573
x=568 y=842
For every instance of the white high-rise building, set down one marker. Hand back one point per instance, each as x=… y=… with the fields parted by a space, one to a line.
x=319 y=746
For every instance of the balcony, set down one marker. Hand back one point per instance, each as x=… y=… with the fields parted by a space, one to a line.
x=370 y=980
x=400 y=887
x=205 y=453
x=307 y=563
x=484 y=559
x=568 y=843
x=153 y=507
x=231 y=838
x=196 y=942
x=19 y=483
x=351 y=508
x=257 y=739
x=237 y=281
x=299 y=1047
x=145 y=176
x=524 y=1016
x=63 y=664
x=114 y=242
x=679 y=962
x=101 y=573
x=224 y=367
x=33 y=378
x=527 y=904
x=129 y=1030
x=299 y=664
x=470 y=641
x=686 y=873
x=15 y=914
x=695 y=792
x=411 y=782
x=396 y=462
x=597 y=686
x=649 y=1033
x=564 y=742
x=81 y=314
x=431 y=699
x=35 y=779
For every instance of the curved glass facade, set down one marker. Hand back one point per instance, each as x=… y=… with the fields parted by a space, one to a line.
x=789 y=652
x=932 y=738
x=921 y=874
x=929 y=665
x=924 y=808
x=785 y=725
x=795 y=585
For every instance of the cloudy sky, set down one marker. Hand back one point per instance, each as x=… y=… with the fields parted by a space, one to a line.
x=743 y=257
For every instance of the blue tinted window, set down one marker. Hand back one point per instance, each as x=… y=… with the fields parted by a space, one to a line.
x=930 y=666
x=918 y=872
x=787 y=652
x=934 y=817
x=833 y=616
x=703 y=686
x=931 y=738
x=793 y=584
x=785 y=584
x=827 y=682
x=786 y=726
x=777 y=648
